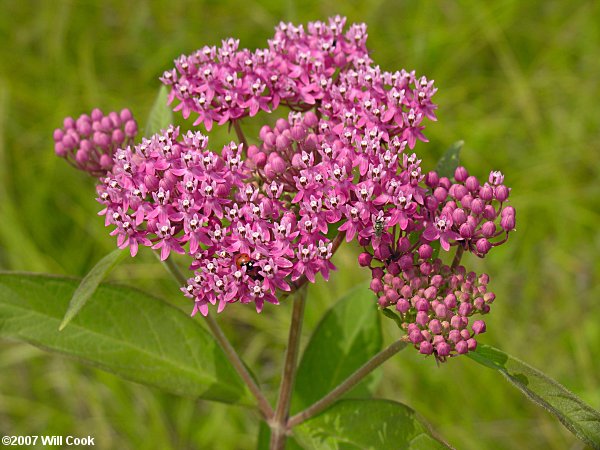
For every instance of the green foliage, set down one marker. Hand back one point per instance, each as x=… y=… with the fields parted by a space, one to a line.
x=577 y=416
x=90 y=283
x=346 y=338
x=367 y=425
x=123 y=331
x=450 y=160
x=161 y=115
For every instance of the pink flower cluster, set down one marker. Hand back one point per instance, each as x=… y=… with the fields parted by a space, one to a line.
x=90 y=142
x=267 y=217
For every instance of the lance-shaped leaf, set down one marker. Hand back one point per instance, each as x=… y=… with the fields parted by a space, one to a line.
x=450 y=160
x=579 y=418
x=369 y=424
x=123 y=331
x=160 y=116
x=347 y=337
x=90 y=283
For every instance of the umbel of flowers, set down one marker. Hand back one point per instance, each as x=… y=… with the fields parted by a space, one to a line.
x=257 y=220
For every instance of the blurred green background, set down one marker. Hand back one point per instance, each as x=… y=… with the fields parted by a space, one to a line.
x=518 y=81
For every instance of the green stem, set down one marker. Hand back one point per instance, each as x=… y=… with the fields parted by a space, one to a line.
x=347 y=384
x=278 y=424
x=232 y=355
x=458 y=256
x=240 y=134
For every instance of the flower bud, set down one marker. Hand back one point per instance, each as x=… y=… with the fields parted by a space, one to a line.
x=435 y=326
x=310 y=119
x=508 y=223
x=460 y=174
x=445 y=183
x=454 y=336
x=442 y=349
x=478 y=327
x=488 y=229
x=403 y=244
x=472 y=183
x=477 y=206
x=422 y=318
x=465 y=309
x=282 y=142
x=489 y=212
x=364 y=259
x=440 y=194
x=402 y=305
x=125 y=115
x=415 y=336
x=405 y=262
x=501 y=193
x=425 y=348
x=432 y=179
x=425 y=251
x=496 y=178
x=466 y=231
x=486 y=193
x=459 y=216
x=376 y=285
x=461 y=347
x=450 y=301
x=131 y=128
x=264 y=130
x=298 y=133
x=472 y=344
x=458 y=191
x=483 y=246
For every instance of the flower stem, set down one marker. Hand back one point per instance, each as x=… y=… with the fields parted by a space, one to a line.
x=347 y=384
x=240 y=134
x=457 y=256
x=278 y=424
x=263 y=404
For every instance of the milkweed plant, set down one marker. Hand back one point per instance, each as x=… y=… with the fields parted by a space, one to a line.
x=261 y=217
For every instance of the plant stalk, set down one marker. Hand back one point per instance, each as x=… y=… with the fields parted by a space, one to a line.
x=278 y=424
x=233 y=357
x=347 y=384
x=240 y=134
x=457 y=256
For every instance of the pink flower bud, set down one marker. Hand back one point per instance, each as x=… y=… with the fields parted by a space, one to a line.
x=403 y=305
x=472 y=183
x=131 y=128
x=405 y=262
x=456 y=322
x=460 y=174
x=459 y=216
x=125 y=115
x=458 y=191
x=262 y=134
x=472 y=344
x=282 y=125
x=435 y=326
x=508 y=222
x=486 y=193
x=106 y=162
x=282 y=142
x=118 y=137
x=422 y=305
x=440 y=194
x=81 y=156
x=69 y=123
x=425 y=348
x=310 y=119
x=101 y=139
x=483 y=246
x=465 y=309
x=403 y=244
x=422 y=318
x=478 y=327
x=441 y=311
x=425 y=268
x=298 y=133
x=501 y=193
x=425 y=251
x=461 y=347
x=477 y=206
x=450 y=301
x=393 y=268
x=364 y=259
x=442 y=349
x=277 y=164
x=466 y=231
x=96 y=114
x=445 y=183
x=489 y=212
x=454 y=336
x=60 y=150
x=415 y=337
x=488 y=229
x=376 y=285
x=432 y=179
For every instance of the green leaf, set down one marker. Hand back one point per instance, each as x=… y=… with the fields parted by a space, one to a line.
x=347 y=336
x=450 y=160
x=123 y=331
x=367 y=424
x=161 y=115
x=579 y=418
x=90 y=283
